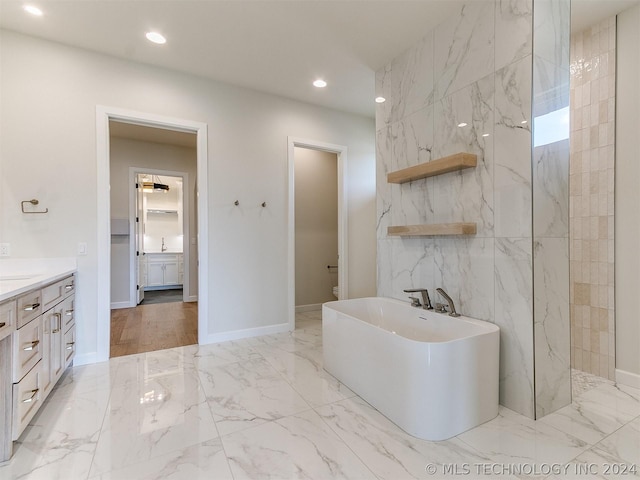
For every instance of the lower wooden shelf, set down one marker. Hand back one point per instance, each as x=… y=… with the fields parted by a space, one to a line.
x=433 y=229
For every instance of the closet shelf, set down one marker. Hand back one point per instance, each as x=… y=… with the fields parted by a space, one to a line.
x=452 y=163
x=434 y=229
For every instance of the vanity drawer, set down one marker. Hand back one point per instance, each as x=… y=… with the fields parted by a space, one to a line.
x=68 y=312
x=7 y=318
x=69 y=345
x=27 y=348
x=29 y=307
x=27 y=398
x=55 y=292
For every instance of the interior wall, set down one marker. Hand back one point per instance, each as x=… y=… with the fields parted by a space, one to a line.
x=627 y=198
x=593 y=106
x=42 y=82
x=316 y=230
x=126 y=153
x=467 y=87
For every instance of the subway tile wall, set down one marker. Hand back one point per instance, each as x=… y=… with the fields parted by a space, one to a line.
x=591 y=199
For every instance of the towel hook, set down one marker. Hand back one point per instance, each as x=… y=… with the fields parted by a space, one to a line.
x=264 y=204
x=34 y=202
x=236 y=203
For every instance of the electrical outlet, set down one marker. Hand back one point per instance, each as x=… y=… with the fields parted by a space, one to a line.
x=5 y=249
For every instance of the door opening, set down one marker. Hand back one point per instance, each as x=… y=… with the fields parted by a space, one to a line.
x=317 y=231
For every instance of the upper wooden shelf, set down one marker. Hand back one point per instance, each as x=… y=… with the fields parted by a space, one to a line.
x=433 y=229
x=452 y=163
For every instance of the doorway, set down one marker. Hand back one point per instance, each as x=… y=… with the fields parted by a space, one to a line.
x=105 y=115
x=326 y=274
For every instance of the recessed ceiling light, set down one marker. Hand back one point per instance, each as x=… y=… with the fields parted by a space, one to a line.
x=380 y=99
x=523 y=122
x=320 y=83
x=155 y=37
x=33 y=10
x=462 y=124
x=485 y=135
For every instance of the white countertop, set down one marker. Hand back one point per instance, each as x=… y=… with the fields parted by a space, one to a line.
x=23 y=274
x=162 y=253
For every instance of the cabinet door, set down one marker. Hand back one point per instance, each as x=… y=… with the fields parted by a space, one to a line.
x=155 y=274
x=171 y=273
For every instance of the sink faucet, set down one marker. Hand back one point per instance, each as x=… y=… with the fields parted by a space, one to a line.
x=452 y=307
x=163 y=247
x=426 y=301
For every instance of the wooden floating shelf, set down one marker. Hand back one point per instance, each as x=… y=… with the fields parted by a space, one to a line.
x=433 y=229
x=452 y=163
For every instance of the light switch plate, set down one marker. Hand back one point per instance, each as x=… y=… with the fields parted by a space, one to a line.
x=5 y=249
x=82 y=248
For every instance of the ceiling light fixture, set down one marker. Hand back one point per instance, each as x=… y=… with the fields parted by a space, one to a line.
x=380 y=99
x=156 y=37
x=320 y=83
x=33 y=10
x=155 y=185
x=462 y=124
x=523 y=122
x=485 y=135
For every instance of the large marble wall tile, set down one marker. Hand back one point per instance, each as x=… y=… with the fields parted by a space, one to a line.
x=415 y=81
x=551 y=91
x=514 y=316
x=552 y=30
x=383 y=189
x=464 y=269
x=412 y=139
x=466 y=195
x=551 y=324
x=411 y=265
x=464 y=48
x=514 y=21
x=551 y=190
x=512 y=144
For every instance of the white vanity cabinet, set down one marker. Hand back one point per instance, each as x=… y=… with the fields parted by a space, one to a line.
x=164 y=270
x=43 y=346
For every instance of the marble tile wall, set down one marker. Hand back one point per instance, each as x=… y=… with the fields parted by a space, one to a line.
x=475 y=69
x=591 y=194
x=550 y=180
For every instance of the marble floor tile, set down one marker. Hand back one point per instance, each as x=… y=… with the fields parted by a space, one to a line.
x=623 y=443
x=512 y=438
x=304 y=372
x=386 y=449
x=152 y=418
x=598 y=464
x=248 y=393
x=86 y=378
x=204 y=461
x=301 y=446
x=582 y=382
x=624 y=400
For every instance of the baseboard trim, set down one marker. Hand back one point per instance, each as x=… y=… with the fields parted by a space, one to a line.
x=245 y=333
x=192 y=298
x=312 y=307
x=627 y=378
x=117 y=305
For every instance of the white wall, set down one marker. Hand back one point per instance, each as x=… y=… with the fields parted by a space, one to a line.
x=627 y=202
x=316 y=209
x=126 y=153
x=48 y=151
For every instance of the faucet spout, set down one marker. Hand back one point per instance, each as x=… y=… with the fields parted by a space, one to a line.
x=426 y=301
x=452 y=307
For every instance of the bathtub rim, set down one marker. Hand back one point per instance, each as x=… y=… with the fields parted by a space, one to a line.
x=491 y=328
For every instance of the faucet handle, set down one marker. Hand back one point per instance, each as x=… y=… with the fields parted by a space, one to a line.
x=415 y=302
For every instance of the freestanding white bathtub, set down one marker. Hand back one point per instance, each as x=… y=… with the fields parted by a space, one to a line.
x=433 y=375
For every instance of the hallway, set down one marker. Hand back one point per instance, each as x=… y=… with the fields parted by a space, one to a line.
x=157 y=326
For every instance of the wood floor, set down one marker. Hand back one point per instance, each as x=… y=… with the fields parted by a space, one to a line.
x=146 y=328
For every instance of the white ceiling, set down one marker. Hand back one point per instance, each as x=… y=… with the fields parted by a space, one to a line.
x=275 y=46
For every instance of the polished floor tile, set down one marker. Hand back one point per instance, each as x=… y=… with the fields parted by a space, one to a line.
x=265 y=408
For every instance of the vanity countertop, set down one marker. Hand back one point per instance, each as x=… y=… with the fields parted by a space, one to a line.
x=21 y=275
x=166 y=252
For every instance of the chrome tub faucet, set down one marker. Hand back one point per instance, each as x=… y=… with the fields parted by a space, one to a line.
x=415 y=302
x=452 y=307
